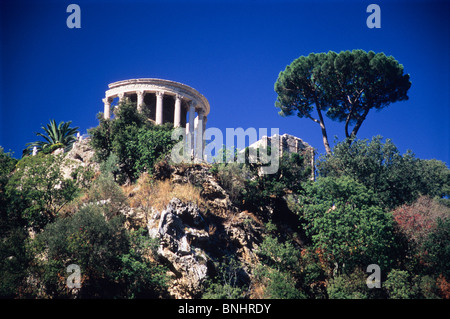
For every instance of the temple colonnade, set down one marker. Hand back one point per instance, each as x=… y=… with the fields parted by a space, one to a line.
x=164 y=101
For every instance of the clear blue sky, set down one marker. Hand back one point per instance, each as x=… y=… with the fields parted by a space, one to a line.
x=230 y=51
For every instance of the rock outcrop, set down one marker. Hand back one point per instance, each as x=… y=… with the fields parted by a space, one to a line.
x=199 y=175
x=182 y=230
x=194 y=240
x=81 y=155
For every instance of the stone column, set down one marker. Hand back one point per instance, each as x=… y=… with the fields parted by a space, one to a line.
x=281 y=143
x=205 y=119
x=159 y=107
x=177 y=111
x=199 y=142
x=121 y=97
x=140 y=100
x=191 y=127
x=107 y=108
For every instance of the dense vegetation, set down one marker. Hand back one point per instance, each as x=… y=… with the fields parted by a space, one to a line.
x=49 y=220
x=368 y=205
x=134 y=142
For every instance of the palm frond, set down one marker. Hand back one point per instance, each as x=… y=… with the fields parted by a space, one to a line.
x=53 y=134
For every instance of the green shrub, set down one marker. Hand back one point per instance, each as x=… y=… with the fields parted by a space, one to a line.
x=87 y=240
x=233 y=177
x=345 y=223
x=395 y=179
x=281 y=256
x=399 y=286
x=38 y=191
x=281 y=285
x=51 y=148
x=113 y=262
x=108 y=195
x=252 y=190
x=437 y=249
x=138 y=276
x=135 y=141
x=225 y=284
x=280 y=270
x=352 y=286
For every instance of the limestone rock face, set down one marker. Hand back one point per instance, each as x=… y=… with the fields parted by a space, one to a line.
x=195 y=240
x=181 y=231
x=81 y=154
x=198 y=174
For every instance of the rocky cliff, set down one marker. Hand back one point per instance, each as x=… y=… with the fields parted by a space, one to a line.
x=194 y=236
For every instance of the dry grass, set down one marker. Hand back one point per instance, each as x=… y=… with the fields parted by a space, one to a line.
x=157 y=194
x=257 y=289
x=211 y=230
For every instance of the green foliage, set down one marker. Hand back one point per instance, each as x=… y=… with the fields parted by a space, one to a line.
x=345 y=223
x=252 y=190
x=140 y=277
x=134 y=140
x=222 y=291
x=82 y=176
x=362 y=80
x=393 y=178
x=279 y=271
x=110 y=166
x=49 y=149
x=152 y=146
x=7 y=165
x=111 y=260
x=352 y=286
x=225 y=285
x=399 y=285
x=427 y=287
x=13 y=260
x=101 y=138
x=263 y=189
x=434 y=180
x=234 y=178
x=55 y=136
x=38 y=191
x=108 y=195
x=345 y=85
x=437 y=249
x=281 y=285
x=402 y=284
x=314 y=272
x=85 y=239
x=280 y=256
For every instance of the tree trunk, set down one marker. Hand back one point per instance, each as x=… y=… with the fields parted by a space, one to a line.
x=324 y=131
x=347 y=121
x=359 y=123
